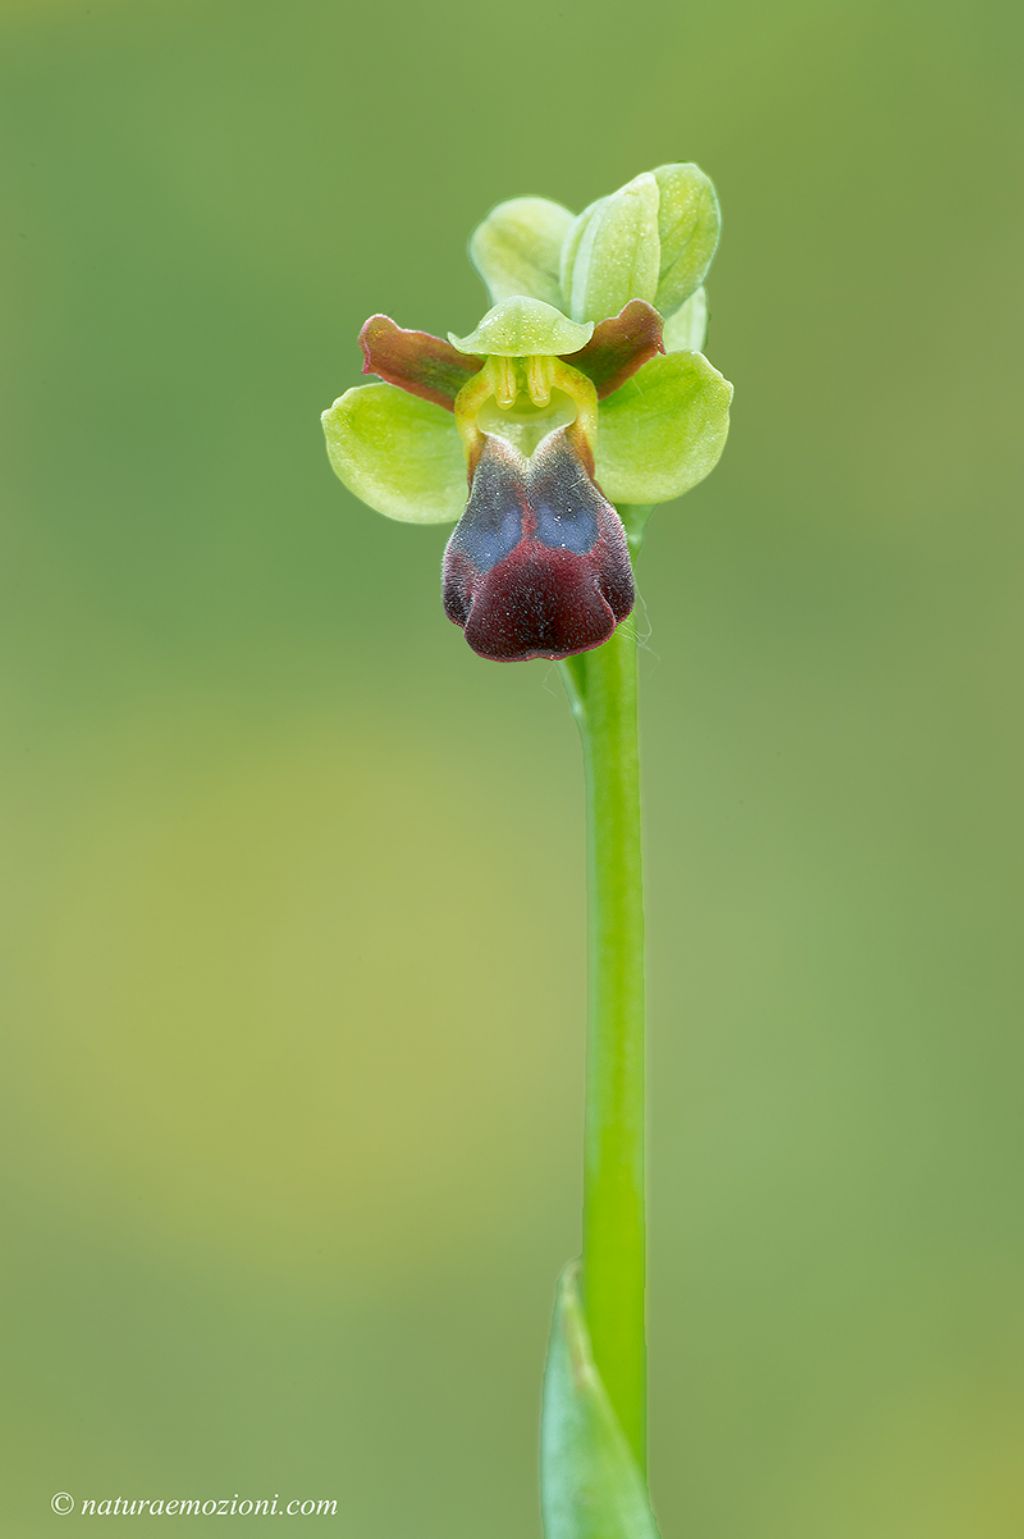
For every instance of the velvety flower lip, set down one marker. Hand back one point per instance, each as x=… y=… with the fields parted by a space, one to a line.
x=538 y=565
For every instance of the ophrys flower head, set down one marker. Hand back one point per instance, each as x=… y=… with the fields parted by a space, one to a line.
x=532 y=427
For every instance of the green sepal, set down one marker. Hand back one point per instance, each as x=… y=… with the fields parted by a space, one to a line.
x=663 y=430
x=520 y=327
x=517 y=249
x=399 y=454
x=611 y=253
x=591 y=1487
x=689 y=223
x=687 y=329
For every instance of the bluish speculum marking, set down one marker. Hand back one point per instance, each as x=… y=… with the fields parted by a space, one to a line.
x=492 y=525
x=564 y=500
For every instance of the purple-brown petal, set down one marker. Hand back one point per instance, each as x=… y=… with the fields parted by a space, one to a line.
x=620 y=346
x=538 y=565
x=416 y=361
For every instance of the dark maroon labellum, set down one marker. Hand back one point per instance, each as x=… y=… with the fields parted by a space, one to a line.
x=538 y=565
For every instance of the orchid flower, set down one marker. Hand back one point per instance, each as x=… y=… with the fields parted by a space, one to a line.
x=571 y=396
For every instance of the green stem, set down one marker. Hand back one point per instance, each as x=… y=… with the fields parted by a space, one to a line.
x=603 y=690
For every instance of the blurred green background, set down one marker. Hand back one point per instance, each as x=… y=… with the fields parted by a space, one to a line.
x=293 y=904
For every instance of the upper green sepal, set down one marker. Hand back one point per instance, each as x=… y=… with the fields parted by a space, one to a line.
x=663 y=430
x=653 y=239
x=398 y=453
x=520 y=327
x=591 y=1487
x=517 y=249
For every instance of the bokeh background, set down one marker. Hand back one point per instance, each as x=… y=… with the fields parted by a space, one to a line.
x=292 y=900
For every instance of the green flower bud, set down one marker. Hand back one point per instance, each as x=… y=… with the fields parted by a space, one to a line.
x=653 y=239
x=518 y=249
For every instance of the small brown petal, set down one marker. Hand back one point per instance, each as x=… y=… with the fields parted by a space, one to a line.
x=416 y=361
x=620 y=346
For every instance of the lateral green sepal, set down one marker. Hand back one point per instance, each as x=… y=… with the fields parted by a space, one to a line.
x=663 y=430
x=399 y=454
x=591 y=1487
